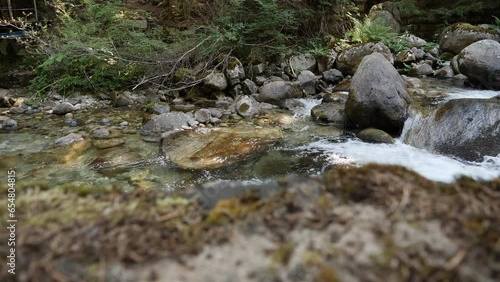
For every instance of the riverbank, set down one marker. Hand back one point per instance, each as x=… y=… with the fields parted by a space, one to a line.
x=384 y=220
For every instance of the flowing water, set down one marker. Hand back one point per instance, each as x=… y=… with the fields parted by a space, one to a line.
x=306 y=148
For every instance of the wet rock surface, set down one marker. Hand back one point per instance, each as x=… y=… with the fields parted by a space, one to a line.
x=208 y=149
x=373 y=135
x=464 y=128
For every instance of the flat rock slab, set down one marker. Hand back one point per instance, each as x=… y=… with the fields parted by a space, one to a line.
x=215 y=148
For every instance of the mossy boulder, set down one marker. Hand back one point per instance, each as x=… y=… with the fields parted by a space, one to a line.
x=460 y=35
x=373 y=135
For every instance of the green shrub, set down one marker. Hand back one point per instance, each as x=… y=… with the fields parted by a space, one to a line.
x=257 y=24
x=496 y=24
x=368 y=31
x=96 y=45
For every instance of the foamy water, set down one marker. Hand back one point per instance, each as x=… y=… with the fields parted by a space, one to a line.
x=433 y=166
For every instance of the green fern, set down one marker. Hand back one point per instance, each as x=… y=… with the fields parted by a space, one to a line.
x=368 y=31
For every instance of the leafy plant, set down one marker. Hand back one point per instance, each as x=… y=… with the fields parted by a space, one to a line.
x=317 y=48
x=97 y=45
x=496 y=24
x=396 y=44
x=368 y=31
x=262 y=24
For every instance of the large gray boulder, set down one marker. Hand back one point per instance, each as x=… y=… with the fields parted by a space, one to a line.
x=303 y=62
x=378 y=97
x=166 y=122
x=348 y=61
x=216 y=81
x=277 y=91
x=460 y=35
x=464 y=128
x=480 y=61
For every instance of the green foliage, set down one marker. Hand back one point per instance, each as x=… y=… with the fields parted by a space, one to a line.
x=368 y=31
x=396 y=44
x=446 y=11
x=96 y=45
x=317 y=18
x=260 y=24
x=428 y=46
x=317 y=48
x=496 y=24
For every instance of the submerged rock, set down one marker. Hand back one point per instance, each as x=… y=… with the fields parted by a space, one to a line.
x=108 y=143
x=464 y=128
x=69 y=139
x=214 y=148
x=480 y=61
x=378 y=96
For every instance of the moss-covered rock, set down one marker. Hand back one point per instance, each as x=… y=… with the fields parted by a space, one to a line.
x=460 y=35
x=373 y=135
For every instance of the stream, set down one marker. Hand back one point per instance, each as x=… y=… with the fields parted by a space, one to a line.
x=306 y=148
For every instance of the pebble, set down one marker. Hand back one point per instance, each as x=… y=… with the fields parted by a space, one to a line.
x=17 y=110
x=106 y=121
x=100 y=132
x=124 y=123
x=9 y=124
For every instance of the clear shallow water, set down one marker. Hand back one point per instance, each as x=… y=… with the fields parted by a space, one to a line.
x=306 y=148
